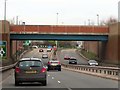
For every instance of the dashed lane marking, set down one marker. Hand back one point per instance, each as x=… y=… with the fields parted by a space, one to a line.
x=59 y=82
x=53 y=78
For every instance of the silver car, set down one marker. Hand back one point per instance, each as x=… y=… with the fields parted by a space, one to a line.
x=54 y=64
x=30 y=70
x=44 y=56
x=93 y=63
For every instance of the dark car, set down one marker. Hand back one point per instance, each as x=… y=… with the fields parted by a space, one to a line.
x=41 y=50
x=54 y=65
x=30 y=70
x=72 y=60
x=44 y=55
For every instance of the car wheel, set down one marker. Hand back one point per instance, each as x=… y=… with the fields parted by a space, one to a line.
x=44 y=83
x=59 y=69
x=16 y=83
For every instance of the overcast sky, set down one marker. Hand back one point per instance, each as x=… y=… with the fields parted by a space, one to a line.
x=70 y=12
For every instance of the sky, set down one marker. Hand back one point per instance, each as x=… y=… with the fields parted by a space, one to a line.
x=70 y=12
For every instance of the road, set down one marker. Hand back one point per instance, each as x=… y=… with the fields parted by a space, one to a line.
x=64 y=79
x=72 y=53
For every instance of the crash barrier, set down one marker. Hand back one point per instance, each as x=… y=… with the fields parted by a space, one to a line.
x=108 y=72
x=5 y=68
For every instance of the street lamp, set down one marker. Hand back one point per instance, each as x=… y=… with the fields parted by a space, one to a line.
x=98 y=19
x=24 y=26
x=5 y=17
x=56 y=24
x=57 y=18
x=88 y=21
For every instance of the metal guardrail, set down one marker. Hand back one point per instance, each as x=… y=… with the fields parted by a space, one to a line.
x=111 y=72
x=2 y=69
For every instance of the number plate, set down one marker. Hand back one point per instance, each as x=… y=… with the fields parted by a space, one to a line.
x=54 y=64
x=30 y=72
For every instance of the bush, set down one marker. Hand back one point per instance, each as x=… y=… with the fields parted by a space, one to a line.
x=89 y=55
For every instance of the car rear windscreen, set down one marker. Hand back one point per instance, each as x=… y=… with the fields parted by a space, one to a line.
x=30 y=64
x=72 y=59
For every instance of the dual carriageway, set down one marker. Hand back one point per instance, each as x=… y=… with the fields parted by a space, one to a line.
x=65 y=80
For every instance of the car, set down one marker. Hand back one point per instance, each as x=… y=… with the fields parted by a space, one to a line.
x=66 y=57
x=49 y=49
x=44 y=55
x=54 y=65
x=92 y=63
x=72 y=60
x=41 y=50
x=30 y=70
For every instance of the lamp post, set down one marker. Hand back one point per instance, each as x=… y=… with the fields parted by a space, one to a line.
x=88 y=21
x=57 y=19
x=5 y=16
x=98 y=19
x=24 y=26
x=56 y=24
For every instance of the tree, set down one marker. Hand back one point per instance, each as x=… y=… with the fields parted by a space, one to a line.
x=110 y=20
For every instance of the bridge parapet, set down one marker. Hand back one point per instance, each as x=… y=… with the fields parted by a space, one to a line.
x=53 y=29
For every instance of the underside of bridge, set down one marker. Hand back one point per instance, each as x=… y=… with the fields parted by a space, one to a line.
x=59 y=37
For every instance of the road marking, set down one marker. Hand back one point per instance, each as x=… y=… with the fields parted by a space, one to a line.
x=59 y=82
x=69 y=88
x=52 y=77
x=4 y=80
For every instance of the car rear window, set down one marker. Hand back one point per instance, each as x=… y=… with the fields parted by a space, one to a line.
x=45 y=55
x=72 y=58
x=92 y=61
x=30 y=63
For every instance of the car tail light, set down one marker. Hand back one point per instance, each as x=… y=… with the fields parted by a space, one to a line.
x=17 y=70
x=58 y=62
x=43 y=70
x=49 y=62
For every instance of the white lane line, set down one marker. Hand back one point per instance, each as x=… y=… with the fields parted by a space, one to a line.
x=59 y=82
x=69 y=88
x=53 y=78
x=5 y=79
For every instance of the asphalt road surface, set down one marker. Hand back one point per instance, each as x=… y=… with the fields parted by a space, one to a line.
x=71 y=53
x=64 y=79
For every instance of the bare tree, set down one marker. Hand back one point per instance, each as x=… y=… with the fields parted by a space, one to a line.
x=110 y=20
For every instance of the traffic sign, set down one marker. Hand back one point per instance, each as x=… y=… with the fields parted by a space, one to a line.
x=27 y=43
x=3 y=49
